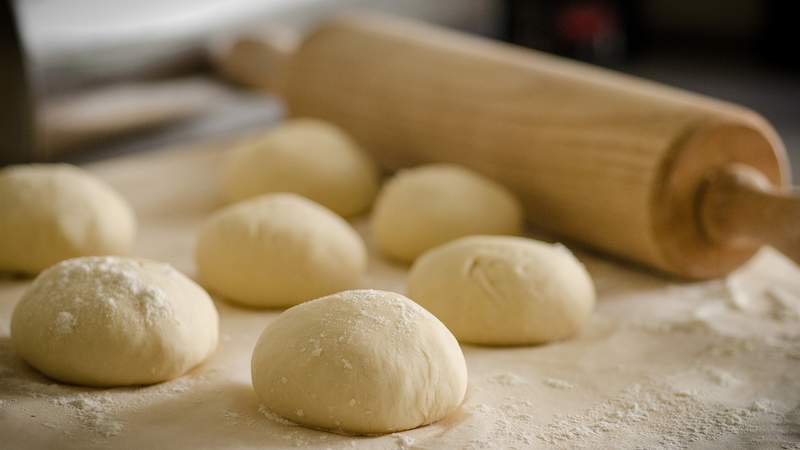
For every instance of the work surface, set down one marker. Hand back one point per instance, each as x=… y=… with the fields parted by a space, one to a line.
x=663 y=364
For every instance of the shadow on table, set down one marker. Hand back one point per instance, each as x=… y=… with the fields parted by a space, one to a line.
x=224 y=415
x=19 y=381
x=194 y=411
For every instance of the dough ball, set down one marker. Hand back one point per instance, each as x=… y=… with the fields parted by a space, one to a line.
x=427 y=206
x=53 y=212
x=499 y=290
x=359 y=362
x=111 y=321
x=278 y=250
x=309 y=157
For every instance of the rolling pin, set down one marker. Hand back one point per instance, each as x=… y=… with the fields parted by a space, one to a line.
x=679 y=182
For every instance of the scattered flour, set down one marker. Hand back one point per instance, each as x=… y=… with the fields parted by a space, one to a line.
x=694 y=321
x=296 y=436
x=507 y=379
x=274 y=417
x=237 y=418
x=785 y=306
x=153 y=301
x=177 y=386
x=720 y=377
x=94 y=411
x=64 y=324
x=361 y=314
x=652 y=414
x=556 y=383
x=510 y=424
x=403 y=441
x=109 y=282
x=662 y=417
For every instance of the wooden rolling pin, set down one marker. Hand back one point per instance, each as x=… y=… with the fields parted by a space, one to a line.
x=677 y=181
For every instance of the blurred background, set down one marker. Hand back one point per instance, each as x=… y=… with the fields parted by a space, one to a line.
x=88 y=79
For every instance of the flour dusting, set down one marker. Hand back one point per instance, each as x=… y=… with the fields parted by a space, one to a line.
x=720 y=377
x=508 y=424
x=82 y=285
x=94 y=412
x=673 y=418
x=64 y=324
x=556 y=383
x=785 y=306
x=661 y=365
x=508 y=379
x=266 y=412
x=403 y=441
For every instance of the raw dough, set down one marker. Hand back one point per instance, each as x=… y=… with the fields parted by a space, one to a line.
x=111 y=321
x=500 y=290
x=309 y=157
x=427 y=206
x=53 y=212
x=359 y=362
x=278 y=250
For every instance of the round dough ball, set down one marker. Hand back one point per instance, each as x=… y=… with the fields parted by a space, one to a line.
x=309 y=157
x=111 y=321
x=53 y=212
x=359 y=362
x=499 y=290
x=278 y=250
x=427 y=206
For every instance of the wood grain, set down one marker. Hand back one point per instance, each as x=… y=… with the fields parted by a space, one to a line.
x=597 y=157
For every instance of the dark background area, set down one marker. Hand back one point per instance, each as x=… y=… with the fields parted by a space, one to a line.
x=744 y=51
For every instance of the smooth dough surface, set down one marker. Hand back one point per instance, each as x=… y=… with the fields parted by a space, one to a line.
x=309 y=157
x=500 y=290
x=427 y=206
x=112 y=321
x=53 y=212
x=278 y=250
x=359 y=362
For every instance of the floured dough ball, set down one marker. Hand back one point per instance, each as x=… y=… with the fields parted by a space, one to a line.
x=500 y=290
x=427 y=206
x=111 y=321
x=53 y=212
x=308 y=157
x=278 y=250
x=359 y=362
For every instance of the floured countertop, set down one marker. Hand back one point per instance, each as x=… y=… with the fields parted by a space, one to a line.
x=663 y=364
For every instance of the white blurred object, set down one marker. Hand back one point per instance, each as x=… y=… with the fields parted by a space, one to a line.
x=80 y=40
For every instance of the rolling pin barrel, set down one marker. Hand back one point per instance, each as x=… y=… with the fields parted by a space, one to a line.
x=597 y=157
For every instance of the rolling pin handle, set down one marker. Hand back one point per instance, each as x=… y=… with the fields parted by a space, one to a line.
x=257 y=60
x=740 y=207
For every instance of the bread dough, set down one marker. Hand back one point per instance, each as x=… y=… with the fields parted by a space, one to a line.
x=359 y=362
x=309 y=157
x=427 y=206
x=52 y=212
x=278 y=250
x=112 y=321
x=501 y=290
